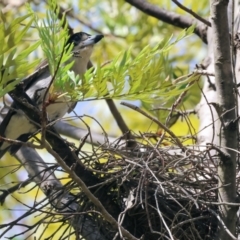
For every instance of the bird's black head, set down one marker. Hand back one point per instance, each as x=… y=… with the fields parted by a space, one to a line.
x=82 y=49
x=82 y=39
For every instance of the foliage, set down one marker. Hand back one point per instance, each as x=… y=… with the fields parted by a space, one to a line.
x=122 y=78
x=14 y=64
x=147 y=76
x=54 y=34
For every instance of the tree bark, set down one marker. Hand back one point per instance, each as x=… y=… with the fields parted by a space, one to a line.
x=227 y=124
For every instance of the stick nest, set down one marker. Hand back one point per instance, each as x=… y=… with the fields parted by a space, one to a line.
x=161 y=192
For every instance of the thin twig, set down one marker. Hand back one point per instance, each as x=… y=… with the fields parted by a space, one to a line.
x=223 y=224
x=121 y=123
x=192 y=13
x=180 y=112
x=176 y=139
x=179 y=100
x=160 y=214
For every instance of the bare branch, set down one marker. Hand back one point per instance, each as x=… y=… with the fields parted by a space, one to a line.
x=192 y=13
x=57 y=195
x=121 y=123
x=170 y=17
x=175 y=138
x=91 y=197
x=77 y=133
x=228 y=133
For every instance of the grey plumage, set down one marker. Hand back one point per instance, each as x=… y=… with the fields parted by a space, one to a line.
x=15 y=124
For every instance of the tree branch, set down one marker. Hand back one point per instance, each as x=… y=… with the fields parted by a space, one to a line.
x=77 y=133
x=228 y=133
x=170 y=17
x=174 y=137
x=192 y=13
x=121 y=123
x=64 y=152
x=59 y=198
x=91 y=197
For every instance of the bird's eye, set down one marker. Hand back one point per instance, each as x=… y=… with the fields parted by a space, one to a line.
x=75 y=39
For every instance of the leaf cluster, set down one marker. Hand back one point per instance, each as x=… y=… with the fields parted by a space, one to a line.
x=53 y=34
x=13 y=64
x=146 y=77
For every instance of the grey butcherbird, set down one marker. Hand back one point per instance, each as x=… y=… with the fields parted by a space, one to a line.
x=15 y=124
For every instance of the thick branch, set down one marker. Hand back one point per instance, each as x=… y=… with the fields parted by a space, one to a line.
x=121 y=123
x=91 y=197
x=228 y=133
x=77 y=133
x=170 y=17
x=60 y=199
x=64 y=151
x=192 y=13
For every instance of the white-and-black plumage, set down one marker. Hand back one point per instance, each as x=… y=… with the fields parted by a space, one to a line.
x=15 y=124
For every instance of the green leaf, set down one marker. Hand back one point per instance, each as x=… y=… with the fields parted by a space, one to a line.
x=144 y=77
x=14 y=65
x=53 y=39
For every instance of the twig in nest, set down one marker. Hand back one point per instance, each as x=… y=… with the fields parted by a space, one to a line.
x=176 y=139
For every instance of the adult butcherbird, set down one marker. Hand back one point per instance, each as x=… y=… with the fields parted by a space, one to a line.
x=15 y=124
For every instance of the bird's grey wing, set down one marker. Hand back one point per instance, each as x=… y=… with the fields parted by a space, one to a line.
x=29 y=80
x=11 y=116
x=72 y=106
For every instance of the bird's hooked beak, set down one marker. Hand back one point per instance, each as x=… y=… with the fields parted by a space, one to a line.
x=91 y=40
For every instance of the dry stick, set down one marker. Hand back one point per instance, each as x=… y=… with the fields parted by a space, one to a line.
x=187 y=221
x=178 y=101
x=121 y=123
x=223 y=224
x=17 y=142
x=118 y=117
x=44 y=107
x=71 y=14
x=157 y=122
x=203 y=72
x=192 y=13
x=88 y=193
x=179 y=112
x=161 y=216
x=6 y=192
